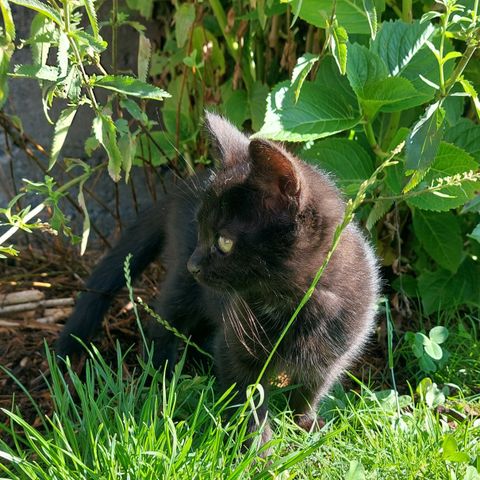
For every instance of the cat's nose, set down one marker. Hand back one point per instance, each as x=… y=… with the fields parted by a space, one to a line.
x=193 y=268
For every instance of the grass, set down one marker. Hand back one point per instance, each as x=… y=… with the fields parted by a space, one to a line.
x=109 y=425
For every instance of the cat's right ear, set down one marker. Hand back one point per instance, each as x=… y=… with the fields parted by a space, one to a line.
x=230 y=145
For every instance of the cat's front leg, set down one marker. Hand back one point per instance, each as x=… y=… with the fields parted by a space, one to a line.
x=234 y=366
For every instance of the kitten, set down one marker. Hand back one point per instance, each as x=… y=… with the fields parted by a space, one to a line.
x=241 y=246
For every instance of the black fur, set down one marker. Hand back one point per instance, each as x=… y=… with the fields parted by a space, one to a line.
x=280 y=214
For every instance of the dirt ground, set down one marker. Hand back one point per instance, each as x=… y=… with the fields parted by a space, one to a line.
x=59 y=274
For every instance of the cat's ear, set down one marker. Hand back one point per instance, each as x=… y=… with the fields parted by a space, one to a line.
x=230 y=144
x=273 y=169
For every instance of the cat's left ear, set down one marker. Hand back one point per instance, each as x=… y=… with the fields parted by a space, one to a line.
x=230 y=144
x=274 y=170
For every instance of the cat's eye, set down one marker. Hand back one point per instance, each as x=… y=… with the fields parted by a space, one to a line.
x=225 y=245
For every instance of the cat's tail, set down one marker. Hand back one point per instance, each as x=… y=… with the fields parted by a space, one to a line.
x=144 y=240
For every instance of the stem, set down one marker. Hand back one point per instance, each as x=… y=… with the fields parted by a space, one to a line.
x=461 y=66
x=367 y=127
x=221 y=18
x=392 y=128
x=407 y=11
x=442 y=46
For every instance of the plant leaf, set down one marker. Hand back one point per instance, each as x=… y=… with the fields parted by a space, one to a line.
x=432 y=349
x=465 y=134
x=8 y=20
x=398 y=42
x=423 y=142
x=439 y=234
x=37 y=72
x=371 y=13
x=143 y=58
x=303 y=67
x=106 y=133
x=40 y=7
x=86 y=219
x=325 y=106
x=92 y=16
x=346 y=159
x=184 y=18
x=438 y=334
x=475 y=235
x=338 y=47
x=130 y=86
x=60 y=133
x=350 y=14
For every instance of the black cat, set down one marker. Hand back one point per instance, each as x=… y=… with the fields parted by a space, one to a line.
x=241 y=247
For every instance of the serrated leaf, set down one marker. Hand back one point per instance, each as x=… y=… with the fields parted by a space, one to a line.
x=127 y=145
x=134 y=109
x=92 y=16
x=86 y=219
x=60 y=133
x=143 y=58
x=371 y=12
x=439 y=234
x=338 y=46
x=8 y=20
x=472 y=206
x=303 y=67
x=438 y=334
x=380 y=208
x=398 y=42
x=470 y=90
x=450 y=160
x=446 y=290
x=466 y=135
x=130 y=86
x=346 y=159
x=40 y=7
x=37 y=72
x=320 y=111
x=423 y=141
x=184 y=18
x=40 y=29
x=62 y=55
x=350 y=13
x=105 y=132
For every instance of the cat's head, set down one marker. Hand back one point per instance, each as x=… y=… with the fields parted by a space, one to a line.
x=248 y=219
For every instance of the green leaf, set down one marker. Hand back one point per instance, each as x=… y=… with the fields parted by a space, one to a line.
x=8 y=20
x=303 y=67
x=60 y=133
x=398 y=42
x=439 y=234
x=450 y=160
x=338 y=47
x=380 y=208
x=235 y=106
x=432 y=349
x=133 y=109
x=470 y=90
x=184 y=18
x=127 y=145
x=472 y=206
x=368 y=77
x=446 y=290
x=438 y=334
x=451 y=452
x=465 y=134
x=371 y=12
x=350 y=14
x=346 y=159
x=38 y=72
x=356 y=471
x=86 y=218
x=41 y=29
x=40 y=7
x=92 y=16
x=155 y=148
x=62 y=55
x=143 y=58
x=324 y=107
x=106 y=133
x=258 y=104
x=130 y=86
x=475 y=235
x=424 y=140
